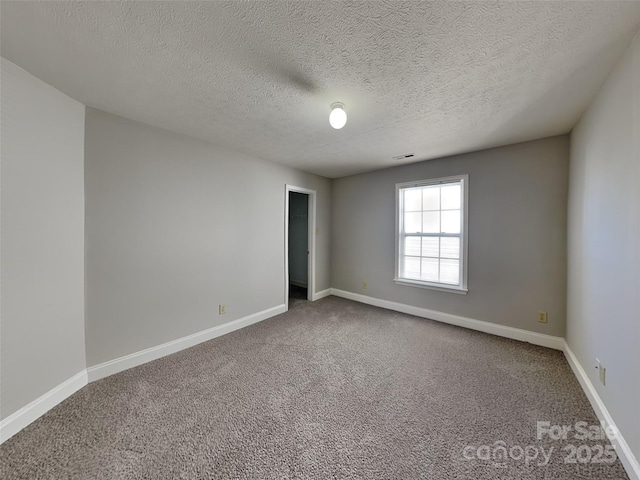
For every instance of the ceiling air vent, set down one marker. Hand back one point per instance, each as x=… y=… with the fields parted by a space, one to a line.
x=402 y=157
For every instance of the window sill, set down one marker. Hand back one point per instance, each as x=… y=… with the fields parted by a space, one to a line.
x=437 y=287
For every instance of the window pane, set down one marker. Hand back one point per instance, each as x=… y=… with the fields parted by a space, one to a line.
x=412 y=199
x=430 y=247
x=451 y=221
x=412 y=222
x=451 y=197
x=450 y=271
x=431 y=198
x=450 y=247
x=412 y=246
x=410 y=267
x=431 y=222
x=429 y=270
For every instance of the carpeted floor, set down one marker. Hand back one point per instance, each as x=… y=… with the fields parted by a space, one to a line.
x=296 y=295
x=331 y=389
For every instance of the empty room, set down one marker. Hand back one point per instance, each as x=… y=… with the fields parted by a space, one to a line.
x=320 y=239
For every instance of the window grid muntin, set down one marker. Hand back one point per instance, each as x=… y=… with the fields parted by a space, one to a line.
x=403 y=234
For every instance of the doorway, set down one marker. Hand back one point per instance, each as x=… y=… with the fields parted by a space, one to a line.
x=299 y=245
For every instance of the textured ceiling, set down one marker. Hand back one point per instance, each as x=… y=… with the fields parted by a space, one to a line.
x=432 y=78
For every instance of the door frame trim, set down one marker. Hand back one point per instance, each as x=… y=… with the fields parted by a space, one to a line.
x=311 y=258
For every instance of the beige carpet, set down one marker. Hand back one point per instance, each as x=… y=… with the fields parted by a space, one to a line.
x=331 y=389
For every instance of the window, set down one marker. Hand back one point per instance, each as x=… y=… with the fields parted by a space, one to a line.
x=431 y=242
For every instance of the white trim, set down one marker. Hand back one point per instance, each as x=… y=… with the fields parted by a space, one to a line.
x=143 y=356
x=541 y=339
x=321 y=294
x=464 y=234
x=41 y=405
x=431 y=286
x=626 y=456
x=311 y=258
x=34 y=410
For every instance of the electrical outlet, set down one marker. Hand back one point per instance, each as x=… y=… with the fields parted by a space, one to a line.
x=542 y=317
x=222 y=309
x=602 y=372
x=365 y=285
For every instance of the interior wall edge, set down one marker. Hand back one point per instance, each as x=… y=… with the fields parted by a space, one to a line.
x=111 y=367
x=628 y=459
x=41 y=405
x=541 y=339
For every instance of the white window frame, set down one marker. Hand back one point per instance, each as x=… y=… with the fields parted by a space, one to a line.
x=464 y=236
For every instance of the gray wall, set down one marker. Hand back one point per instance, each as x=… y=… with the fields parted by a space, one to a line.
x=42 y=253
x=176 y=226
x=604 y=243
x=517 y=234
x=298 y=238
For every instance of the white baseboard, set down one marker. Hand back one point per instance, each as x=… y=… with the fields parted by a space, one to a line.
x=31 y=412
x=319 y=295
x=41 y=405
x=541 y=339
x=34 y=410
x=126 y=362
x=628 y=459
x=626 y=456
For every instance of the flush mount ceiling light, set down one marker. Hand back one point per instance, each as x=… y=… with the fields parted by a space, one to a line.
x=338 y=116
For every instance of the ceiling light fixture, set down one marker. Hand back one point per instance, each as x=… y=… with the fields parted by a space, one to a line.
x=338 y=116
